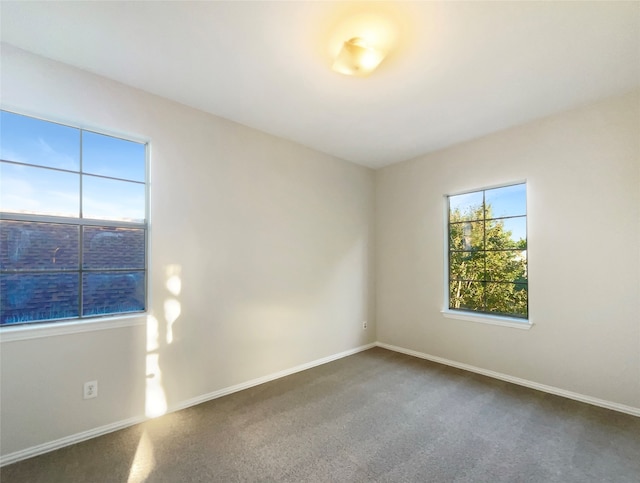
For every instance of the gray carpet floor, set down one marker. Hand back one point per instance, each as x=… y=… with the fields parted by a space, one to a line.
x=377 y=416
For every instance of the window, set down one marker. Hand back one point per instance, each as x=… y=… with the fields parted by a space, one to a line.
x=487 y=233
x=73 y=223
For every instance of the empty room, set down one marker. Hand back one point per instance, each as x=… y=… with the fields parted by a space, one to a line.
x=319 y=241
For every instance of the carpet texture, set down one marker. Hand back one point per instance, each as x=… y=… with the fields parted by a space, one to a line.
x=376 y=416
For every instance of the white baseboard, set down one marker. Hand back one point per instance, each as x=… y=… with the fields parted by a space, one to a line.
x=109 y=428
x=68 y=440
x=270 y=377
x=516 y=380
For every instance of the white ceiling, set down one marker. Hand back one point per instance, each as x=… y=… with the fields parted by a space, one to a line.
x=455 y=70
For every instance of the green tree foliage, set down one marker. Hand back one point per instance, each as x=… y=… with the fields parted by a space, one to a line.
x=487 y=266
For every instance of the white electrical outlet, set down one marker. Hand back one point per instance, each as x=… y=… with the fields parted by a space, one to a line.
x=90 y=389
x=364 y=325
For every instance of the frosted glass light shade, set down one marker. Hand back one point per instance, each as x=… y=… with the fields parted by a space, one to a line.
x=357 y=58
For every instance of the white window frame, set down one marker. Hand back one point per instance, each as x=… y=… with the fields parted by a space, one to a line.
x=89 y=323
x=470 y=316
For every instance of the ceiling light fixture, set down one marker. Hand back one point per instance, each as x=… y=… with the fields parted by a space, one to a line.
x=357 y=58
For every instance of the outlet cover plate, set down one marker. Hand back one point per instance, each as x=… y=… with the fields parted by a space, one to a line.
x=90 y=389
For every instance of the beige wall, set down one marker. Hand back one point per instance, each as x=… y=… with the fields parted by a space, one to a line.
x=583 y=178
x=273 y=244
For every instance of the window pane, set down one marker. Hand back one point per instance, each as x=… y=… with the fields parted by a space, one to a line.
x=108 y=199
x=507 y=266
x=466 y=207
x=467 y=266
x=114 y=157
x=27 y=297
x=112 y=292
x=40 y=174
x=506 y=201
x=488 y=258
x=507 y=233
x=466 y=235
x=33 y=141
x=38 y=246
x=109 y=248
x=507 y=298
x=466 y=295
x=27 y=189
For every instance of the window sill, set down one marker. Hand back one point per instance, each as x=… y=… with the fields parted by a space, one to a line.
x=36 y=331
x=512 y=322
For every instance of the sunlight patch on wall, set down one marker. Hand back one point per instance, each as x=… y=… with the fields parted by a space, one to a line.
x=172 y=307
x=174 y=284
x=156 y=400
x=172 y=311
x=152 y=334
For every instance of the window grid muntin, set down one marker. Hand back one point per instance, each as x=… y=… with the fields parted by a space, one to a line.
x=484 y=220
x=81 y=238
x=81 y=222
x=82 y=173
